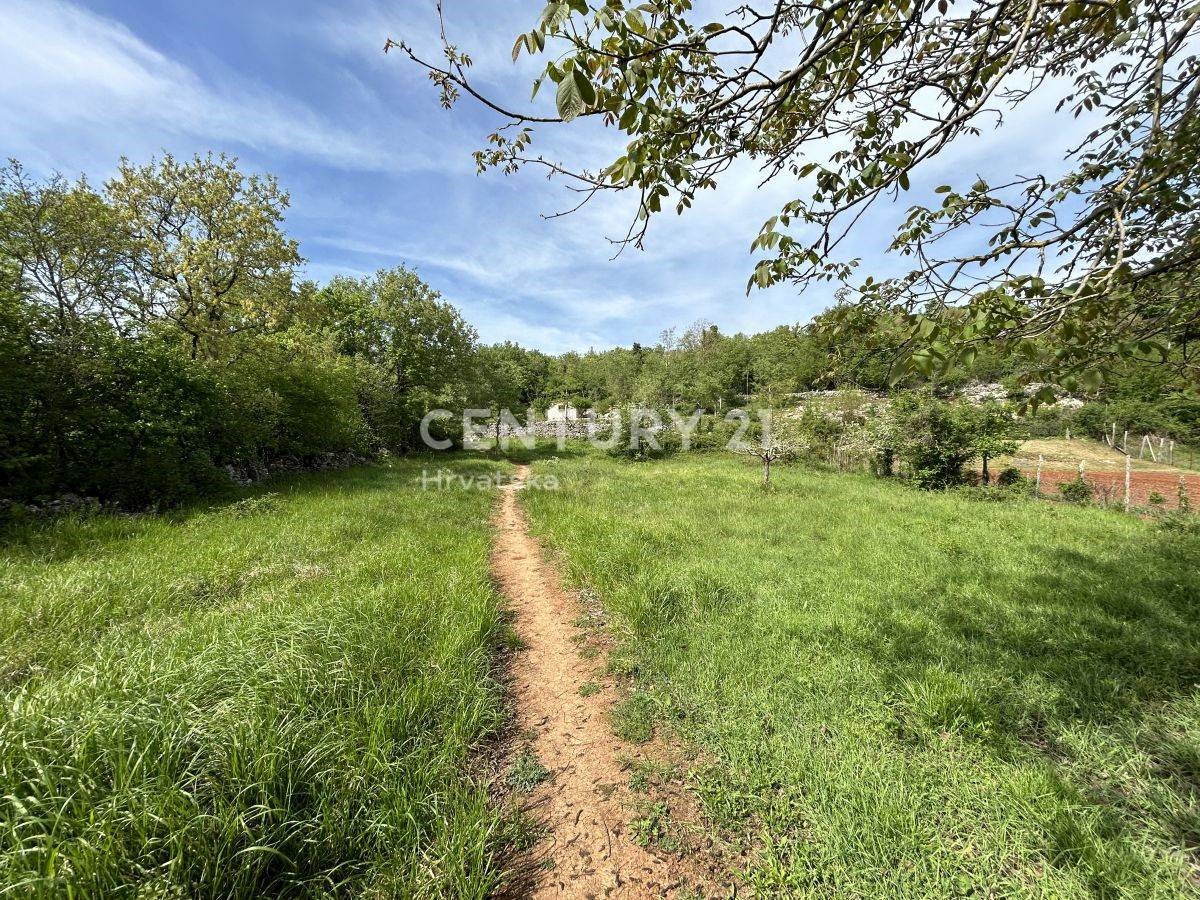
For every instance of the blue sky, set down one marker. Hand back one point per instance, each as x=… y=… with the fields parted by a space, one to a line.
x=380 y=175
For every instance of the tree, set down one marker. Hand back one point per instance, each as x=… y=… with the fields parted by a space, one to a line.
x=774 y=440
x=501 y=380
x=992 y=435
x=420 y=345
x=851 y=98
x=207 y=247
x=936 y=437
x=64 y=248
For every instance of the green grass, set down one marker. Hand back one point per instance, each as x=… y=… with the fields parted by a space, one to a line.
x=903 y=694
x=273 y=698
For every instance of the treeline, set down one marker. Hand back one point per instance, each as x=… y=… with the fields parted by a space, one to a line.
x=155 y=336
x=701 y=368
x=157 y=340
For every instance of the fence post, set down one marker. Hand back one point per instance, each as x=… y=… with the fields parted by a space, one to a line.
x=1125 y=442
x=1128 y=470
x=1037 y=485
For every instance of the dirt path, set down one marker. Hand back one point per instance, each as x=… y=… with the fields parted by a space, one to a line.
x=587 y=850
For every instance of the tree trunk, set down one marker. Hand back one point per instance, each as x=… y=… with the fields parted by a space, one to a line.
x=766 y=470
x=889 y=457
x=986 y=478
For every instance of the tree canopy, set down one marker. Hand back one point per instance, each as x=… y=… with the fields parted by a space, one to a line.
x=851 y=99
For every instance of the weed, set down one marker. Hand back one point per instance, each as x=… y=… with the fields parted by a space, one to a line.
x=509 y=639
x=192 y=712
x=646 y=774
x=252 y=506
x=589 y=688
x=652 y=828
x=526 y=771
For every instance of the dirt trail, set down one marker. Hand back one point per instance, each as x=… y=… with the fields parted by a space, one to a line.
x=587 y=850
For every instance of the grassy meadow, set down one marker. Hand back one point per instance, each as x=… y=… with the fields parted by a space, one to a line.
x=278 y=696
x=897 y=693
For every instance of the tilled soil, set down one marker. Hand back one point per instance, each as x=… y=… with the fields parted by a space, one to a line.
x=1110 y=486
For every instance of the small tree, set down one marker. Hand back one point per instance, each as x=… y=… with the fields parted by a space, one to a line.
x=770 y=451
x=992 y=433
x=776 y=441
x=937 y=438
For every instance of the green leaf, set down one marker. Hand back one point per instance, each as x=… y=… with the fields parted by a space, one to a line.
x=567 y=99
x=586 y=91
x=555 y=14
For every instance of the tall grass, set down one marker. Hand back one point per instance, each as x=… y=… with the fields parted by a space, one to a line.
x=905 y=694
x=273 y=698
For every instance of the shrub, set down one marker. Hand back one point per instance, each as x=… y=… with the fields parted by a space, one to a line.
x=936 y=438
x=1180 y=523
x=1077 y=491
x=712 y=433
x=1011 y=477
x=664 y=442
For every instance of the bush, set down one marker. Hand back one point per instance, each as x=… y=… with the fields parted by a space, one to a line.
x=1180 y=523
x=1011 y=477
x=664 y=442
x=137 y=422
x=937 y=438
x=1048 y=421
x=710 y=433
x=1078 y=491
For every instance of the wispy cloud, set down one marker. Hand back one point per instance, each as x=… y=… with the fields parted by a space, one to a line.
x=67 y=74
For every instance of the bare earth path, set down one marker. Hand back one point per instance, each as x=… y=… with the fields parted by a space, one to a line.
x=587 y=851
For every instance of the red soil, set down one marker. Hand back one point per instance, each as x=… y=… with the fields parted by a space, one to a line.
x=1110 y=486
